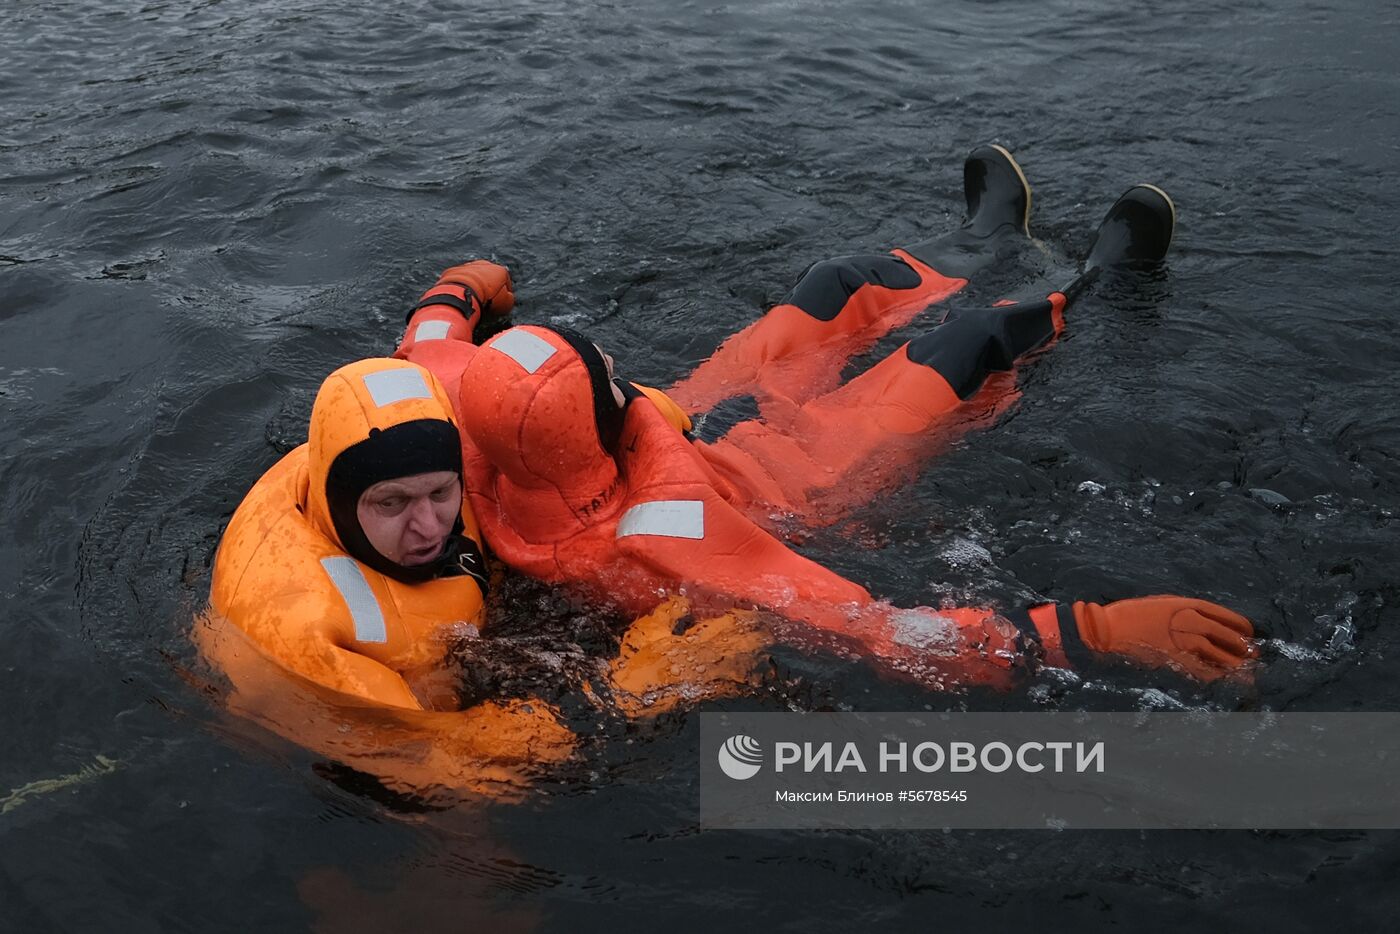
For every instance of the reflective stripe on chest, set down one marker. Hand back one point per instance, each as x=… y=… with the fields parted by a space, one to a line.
x=671 y=518
x=365 y=613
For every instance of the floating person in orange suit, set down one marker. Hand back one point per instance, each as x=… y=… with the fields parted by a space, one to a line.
x=344 y=581
x=584 y=479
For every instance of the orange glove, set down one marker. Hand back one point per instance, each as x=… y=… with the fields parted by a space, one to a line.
x=1201 y=638
x=489 y=281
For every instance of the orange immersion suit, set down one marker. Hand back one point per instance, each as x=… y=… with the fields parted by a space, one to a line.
x=645 y=513
x=570 y=488
x=340 y=656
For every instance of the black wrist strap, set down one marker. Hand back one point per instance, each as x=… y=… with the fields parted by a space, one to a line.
x=462 y=305
x=1076 y=652
x=1079 y=655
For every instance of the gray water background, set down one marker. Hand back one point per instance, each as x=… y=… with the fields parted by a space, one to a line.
x=205 y=207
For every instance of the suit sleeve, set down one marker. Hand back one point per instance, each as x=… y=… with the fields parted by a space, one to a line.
x=439 y=334
x=705 y=540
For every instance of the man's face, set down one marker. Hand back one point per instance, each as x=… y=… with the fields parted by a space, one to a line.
x=408 y=519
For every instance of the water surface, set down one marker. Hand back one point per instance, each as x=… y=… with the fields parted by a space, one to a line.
x=206 y=207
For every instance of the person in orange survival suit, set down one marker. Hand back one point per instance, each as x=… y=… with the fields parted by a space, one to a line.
x=626 y=505
x=572 y=487
x=343 y=580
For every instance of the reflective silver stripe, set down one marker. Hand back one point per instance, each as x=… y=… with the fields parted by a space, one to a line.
x=524 y=348
x=354 y=590
x=432 y=331
x=673 y=518
x=389 y=386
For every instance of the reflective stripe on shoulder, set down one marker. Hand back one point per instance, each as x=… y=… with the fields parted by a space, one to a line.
x=432 y=331
x=389 y=386
x=673 y=518
x=524 y=348
x=345 y=573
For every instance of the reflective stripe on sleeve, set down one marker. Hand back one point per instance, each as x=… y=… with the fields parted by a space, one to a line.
x=524 y=348
x=389 y=386
x=673 y=518
x=345 y=573
x=431 y=331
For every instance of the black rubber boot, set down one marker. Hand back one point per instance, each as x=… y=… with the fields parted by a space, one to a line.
x=1137 y=229
x=996 y=190
x=998 y=211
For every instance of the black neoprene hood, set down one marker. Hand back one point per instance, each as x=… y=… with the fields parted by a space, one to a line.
x=606 y=413
x=405 y=450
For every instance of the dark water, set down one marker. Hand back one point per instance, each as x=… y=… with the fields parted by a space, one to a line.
x=205 y=207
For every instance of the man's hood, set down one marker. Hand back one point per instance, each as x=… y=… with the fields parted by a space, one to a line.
x=359 y=402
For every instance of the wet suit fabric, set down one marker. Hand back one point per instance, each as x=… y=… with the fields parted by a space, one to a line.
x=331 y=652
x=816 y=450
x=838 y=308
x=653 y=517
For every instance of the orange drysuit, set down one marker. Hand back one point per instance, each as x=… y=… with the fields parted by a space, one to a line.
x=326 y=645
x=643 y=512
x=571 y=488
